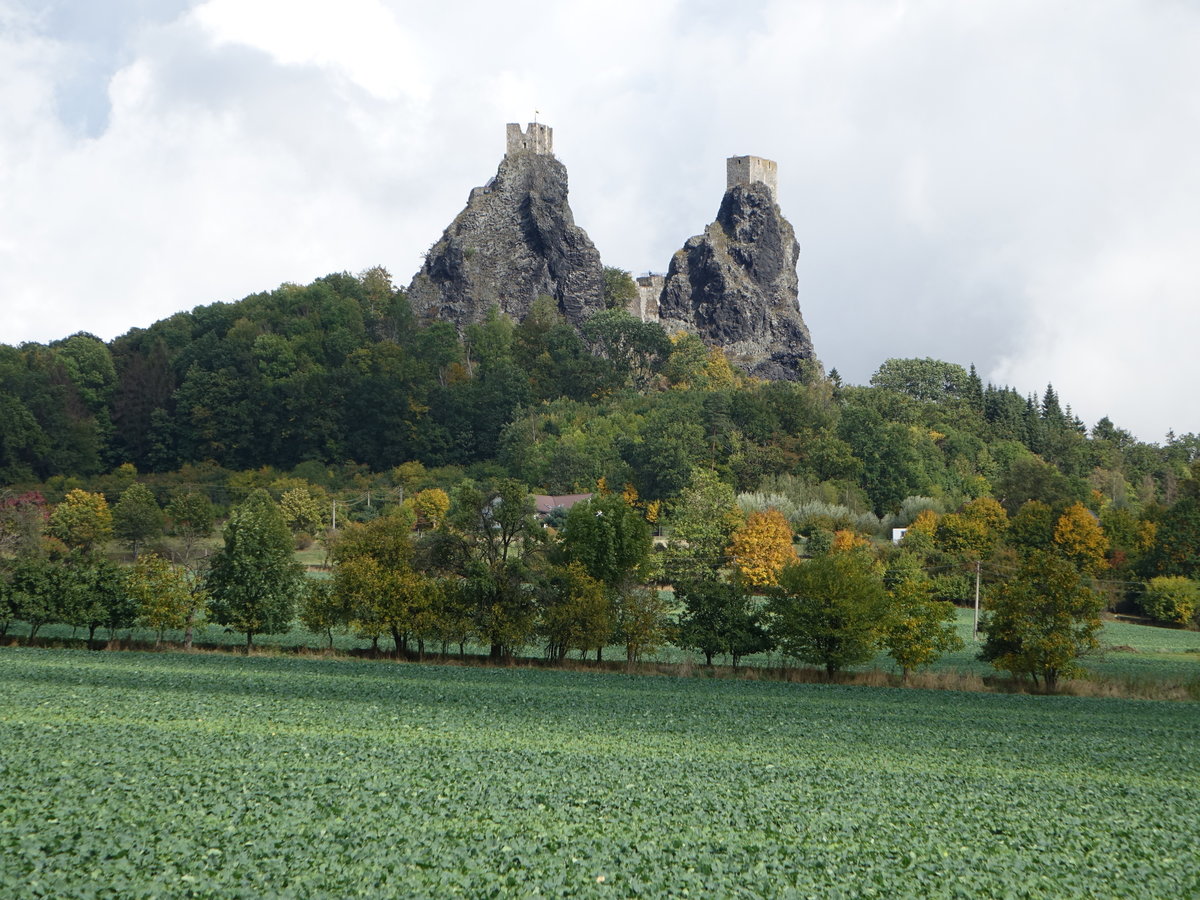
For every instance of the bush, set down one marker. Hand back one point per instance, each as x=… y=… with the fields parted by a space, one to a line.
x=1172 y=599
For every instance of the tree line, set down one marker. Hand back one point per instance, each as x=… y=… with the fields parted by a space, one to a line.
x=475 y=565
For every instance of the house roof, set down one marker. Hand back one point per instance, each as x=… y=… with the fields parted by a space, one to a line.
x=547 y=502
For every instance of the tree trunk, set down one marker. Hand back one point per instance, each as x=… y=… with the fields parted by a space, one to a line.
x=249 y=641
x=708 y=658
x=92 y=631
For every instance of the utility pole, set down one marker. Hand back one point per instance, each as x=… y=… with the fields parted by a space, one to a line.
x=975 y=630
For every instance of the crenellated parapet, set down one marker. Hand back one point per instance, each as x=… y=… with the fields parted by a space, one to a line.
x=538 y=139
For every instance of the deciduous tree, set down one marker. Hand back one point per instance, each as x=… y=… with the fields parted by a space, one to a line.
x=190 y=516
x=1079 y=537
x=255 y=579
x=609 y=538
x=720 y=617
x=828 y=610
x=83 y=520
x=575 y=611
x=918 y=629
x=702 y=523
x=644 y=622
x=137 y=517
x=1042 y=620
x=166 y=596
x=762 y=547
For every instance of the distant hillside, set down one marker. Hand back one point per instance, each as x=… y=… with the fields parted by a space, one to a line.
x=340 y=371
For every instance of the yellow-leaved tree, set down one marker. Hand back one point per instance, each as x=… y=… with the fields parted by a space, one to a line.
x=1079 y=537
x=430 y=506
x=847 y=541
x=762 y=547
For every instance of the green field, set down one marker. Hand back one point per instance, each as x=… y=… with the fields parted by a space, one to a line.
x=139 y=775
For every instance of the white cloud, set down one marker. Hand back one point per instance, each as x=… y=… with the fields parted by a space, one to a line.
x=359 y=39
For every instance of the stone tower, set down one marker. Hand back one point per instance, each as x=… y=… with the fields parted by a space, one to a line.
x=539 y=139
x=746 y=170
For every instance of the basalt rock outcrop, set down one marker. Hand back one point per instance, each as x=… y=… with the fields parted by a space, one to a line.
x=515 y=241
x=735 y=285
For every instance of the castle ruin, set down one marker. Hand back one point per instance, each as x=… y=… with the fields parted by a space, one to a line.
x=649 y=289
x=538 y=139
x=746 y=170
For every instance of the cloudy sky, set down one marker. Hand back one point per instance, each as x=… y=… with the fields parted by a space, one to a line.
x=1014 y=183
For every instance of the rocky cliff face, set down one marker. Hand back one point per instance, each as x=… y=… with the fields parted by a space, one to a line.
x=515 y=241
x=735 y=286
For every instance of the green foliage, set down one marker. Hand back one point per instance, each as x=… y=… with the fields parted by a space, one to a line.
x=702 y=523
x=828 y=610
x=37 y=591
x=608 y=538
x=918 y=628
x=923 y=379
x=1041 y=620
x=254 y=579
x=22 y=519
x=720 y=618
x=320 y=610
x=643 y=623
x=137 y=517
x=575 y=611
x=636 y=350
x=166 y=595
x=1030 y=478
x=82 y=520
x=490 y=535
x=373 y=575
x=190 y=518
x=1032 y=528
x=303 y=510
x=620 y=290
x=1176 y=549
x=1172 y=599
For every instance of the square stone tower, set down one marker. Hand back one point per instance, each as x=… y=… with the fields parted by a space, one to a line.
x=746 y=170
x=539 y=139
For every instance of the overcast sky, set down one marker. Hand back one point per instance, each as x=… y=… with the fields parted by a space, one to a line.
x=1012 y=183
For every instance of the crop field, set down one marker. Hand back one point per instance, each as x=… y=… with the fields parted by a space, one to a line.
x=149 y=775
